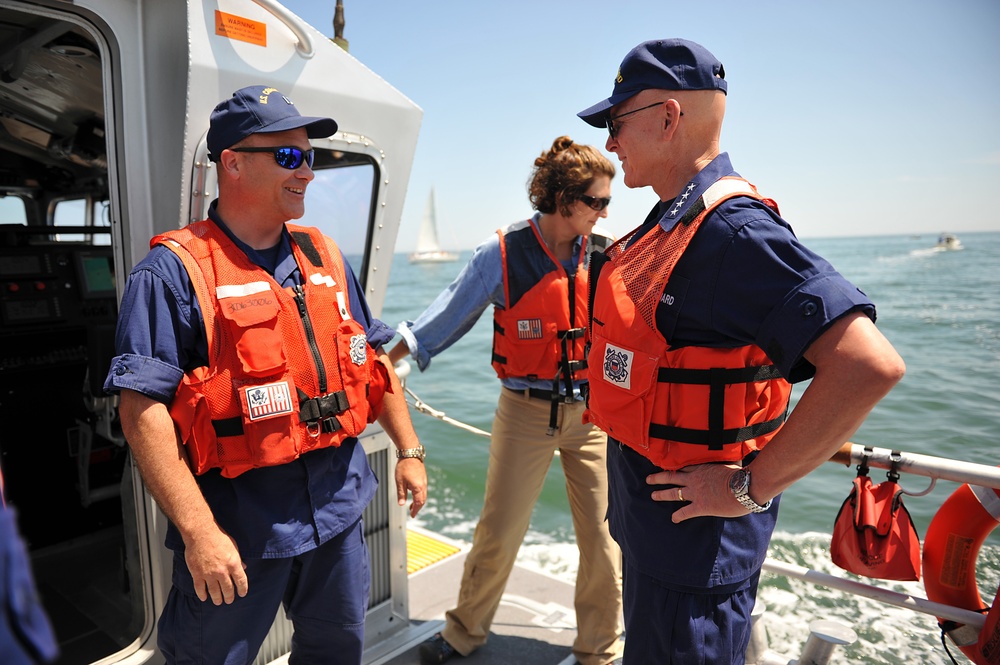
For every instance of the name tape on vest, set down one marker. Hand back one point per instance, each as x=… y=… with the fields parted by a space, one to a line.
x=240 y=290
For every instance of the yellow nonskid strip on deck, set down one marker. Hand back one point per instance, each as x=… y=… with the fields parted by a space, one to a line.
x=422 y=550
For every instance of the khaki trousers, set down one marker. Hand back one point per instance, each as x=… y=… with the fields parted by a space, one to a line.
x=520 y=456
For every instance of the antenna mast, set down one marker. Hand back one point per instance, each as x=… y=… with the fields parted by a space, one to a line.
x=338 y=26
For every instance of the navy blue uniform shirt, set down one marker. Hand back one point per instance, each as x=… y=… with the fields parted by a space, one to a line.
x=744 y=279
x=271 y=512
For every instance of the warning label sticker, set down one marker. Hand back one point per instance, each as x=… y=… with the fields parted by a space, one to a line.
x=238 y=27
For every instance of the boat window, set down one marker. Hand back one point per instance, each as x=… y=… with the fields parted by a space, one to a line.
x=83 y=213
x=340 y=202
x=12 y=210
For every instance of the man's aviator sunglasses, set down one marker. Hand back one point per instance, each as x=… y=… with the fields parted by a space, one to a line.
x=287 y=156
x=595 y=202
x=610 y=120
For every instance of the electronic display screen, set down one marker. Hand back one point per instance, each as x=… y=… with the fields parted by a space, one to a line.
x=96 y=278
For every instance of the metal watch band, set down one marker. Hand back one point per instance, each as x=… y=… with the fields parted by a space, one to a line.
x=752 y=505
x=416 y=452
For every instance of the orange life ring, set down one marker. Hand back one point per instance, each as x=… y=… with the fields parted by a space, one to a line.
x=951 y=547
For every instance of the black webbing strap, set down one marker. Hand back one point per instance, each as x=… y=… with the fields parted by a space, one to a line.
x=717 y=378
x=498 y=329
x=305 y=243
x=325 y=406
x=597 y=261
x=323 y=410
x=567 y=366
x=566 y=369
x=726 y=375
x=554 y=408
x=228 y=426
x=701 y=437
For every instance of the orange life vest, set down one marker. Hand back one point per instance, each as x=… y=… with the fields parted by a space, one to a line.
x=679 y=406
x=289 y=370
x=540 y=333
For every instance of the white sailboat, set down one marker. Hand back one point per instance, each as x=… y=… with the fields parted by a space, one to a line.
x=428 y=248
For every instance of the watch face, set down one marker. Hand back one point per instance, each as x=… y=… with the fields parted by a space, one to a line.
x=738 y=482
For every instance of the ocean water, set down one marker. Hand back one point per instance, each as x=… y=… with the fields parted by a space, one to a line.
x=941 y=311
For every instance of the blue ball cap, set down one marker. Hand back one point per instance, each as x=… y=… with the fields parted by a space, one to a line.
x=259 y=109
x=660 y=64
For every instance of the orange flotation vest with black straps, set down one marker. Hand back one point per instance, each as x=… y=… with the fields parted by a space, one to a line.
x=540 y=332
x=674 y=406
x=289 y=370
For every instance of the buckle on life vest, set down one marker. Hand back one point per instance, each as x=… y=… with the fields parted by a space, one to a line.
x=326 y=425
x=324 y=406
x=572 y=333
x=320 y=413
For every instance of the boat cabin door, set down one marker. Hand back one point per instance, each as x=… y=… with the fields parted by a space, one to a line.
x=104 y=108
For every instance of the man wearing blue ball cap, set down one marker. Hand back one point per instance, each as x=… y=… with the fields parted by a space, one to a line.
x=701 y=319
x=248 y=363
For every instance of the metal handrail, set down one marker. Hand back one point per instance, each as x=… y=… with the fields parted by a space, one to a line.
x=915 y=603
x=921 y=465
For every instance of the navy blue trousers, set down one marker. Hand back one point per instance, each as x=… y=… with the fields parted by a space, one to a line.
x=670 y=627
x=324 y=593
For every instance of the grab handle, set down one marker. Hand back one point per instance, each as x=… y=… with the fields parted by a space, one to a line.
x=304 y=45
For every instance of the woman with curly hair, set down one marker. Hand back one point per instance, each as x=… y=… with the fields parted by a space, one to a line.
x=534 y=273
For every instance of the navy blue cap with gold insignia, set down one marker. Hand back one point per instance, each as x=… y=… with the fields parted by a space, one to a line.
x=661 y=64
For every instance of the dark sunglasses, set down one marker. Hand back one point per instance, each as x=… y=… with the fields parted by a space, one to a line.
x=610 y=120
x=287 y=156
x=594 y=202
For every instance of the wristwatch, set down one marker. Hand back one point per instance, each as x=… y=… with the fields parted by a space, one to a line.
x=417 y=452
x=739 y=485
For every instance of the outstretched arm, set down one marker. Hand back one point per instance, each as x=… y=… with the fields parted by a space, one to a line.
x=210 y=553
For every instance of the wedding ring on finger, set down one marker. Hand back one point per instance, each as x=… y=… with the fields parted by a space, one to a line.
x=680 y=493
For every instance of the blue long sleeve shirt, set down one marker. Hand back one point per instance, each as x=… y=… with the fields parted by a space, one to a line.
x=456 y=309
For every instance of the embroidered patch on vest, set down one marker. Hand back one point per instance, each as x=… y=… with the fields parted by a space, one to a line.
x=617 y=364
x=529 y=329
x=266 y=401
x=358 y=351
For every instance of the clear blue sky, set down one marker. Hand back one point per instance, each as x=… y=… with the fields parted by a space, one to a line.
x=872 y=117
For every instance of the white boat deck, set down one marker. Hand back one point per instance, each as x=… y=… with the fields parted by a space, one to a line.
x=534 y=625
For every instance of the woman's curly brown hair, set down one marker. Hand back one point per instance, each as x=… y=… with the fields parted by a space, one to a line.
x=563 y=173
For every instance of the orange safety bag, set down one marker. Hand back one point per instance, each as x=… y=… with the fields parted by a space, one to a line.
x=873 y=534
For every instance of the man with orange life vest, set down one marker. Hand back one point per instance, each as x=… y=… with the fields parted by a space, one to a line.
x=701 y=319
x=534 y=273
x=247 y=366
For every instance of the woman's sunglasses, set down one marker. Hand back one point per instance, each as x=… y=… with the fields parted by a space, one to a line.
x=594 y=202
x=287 y=156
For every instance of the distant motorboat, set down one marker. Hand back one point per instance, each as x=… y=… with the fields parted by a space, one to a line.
x=428 y=248
x=948 y=241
